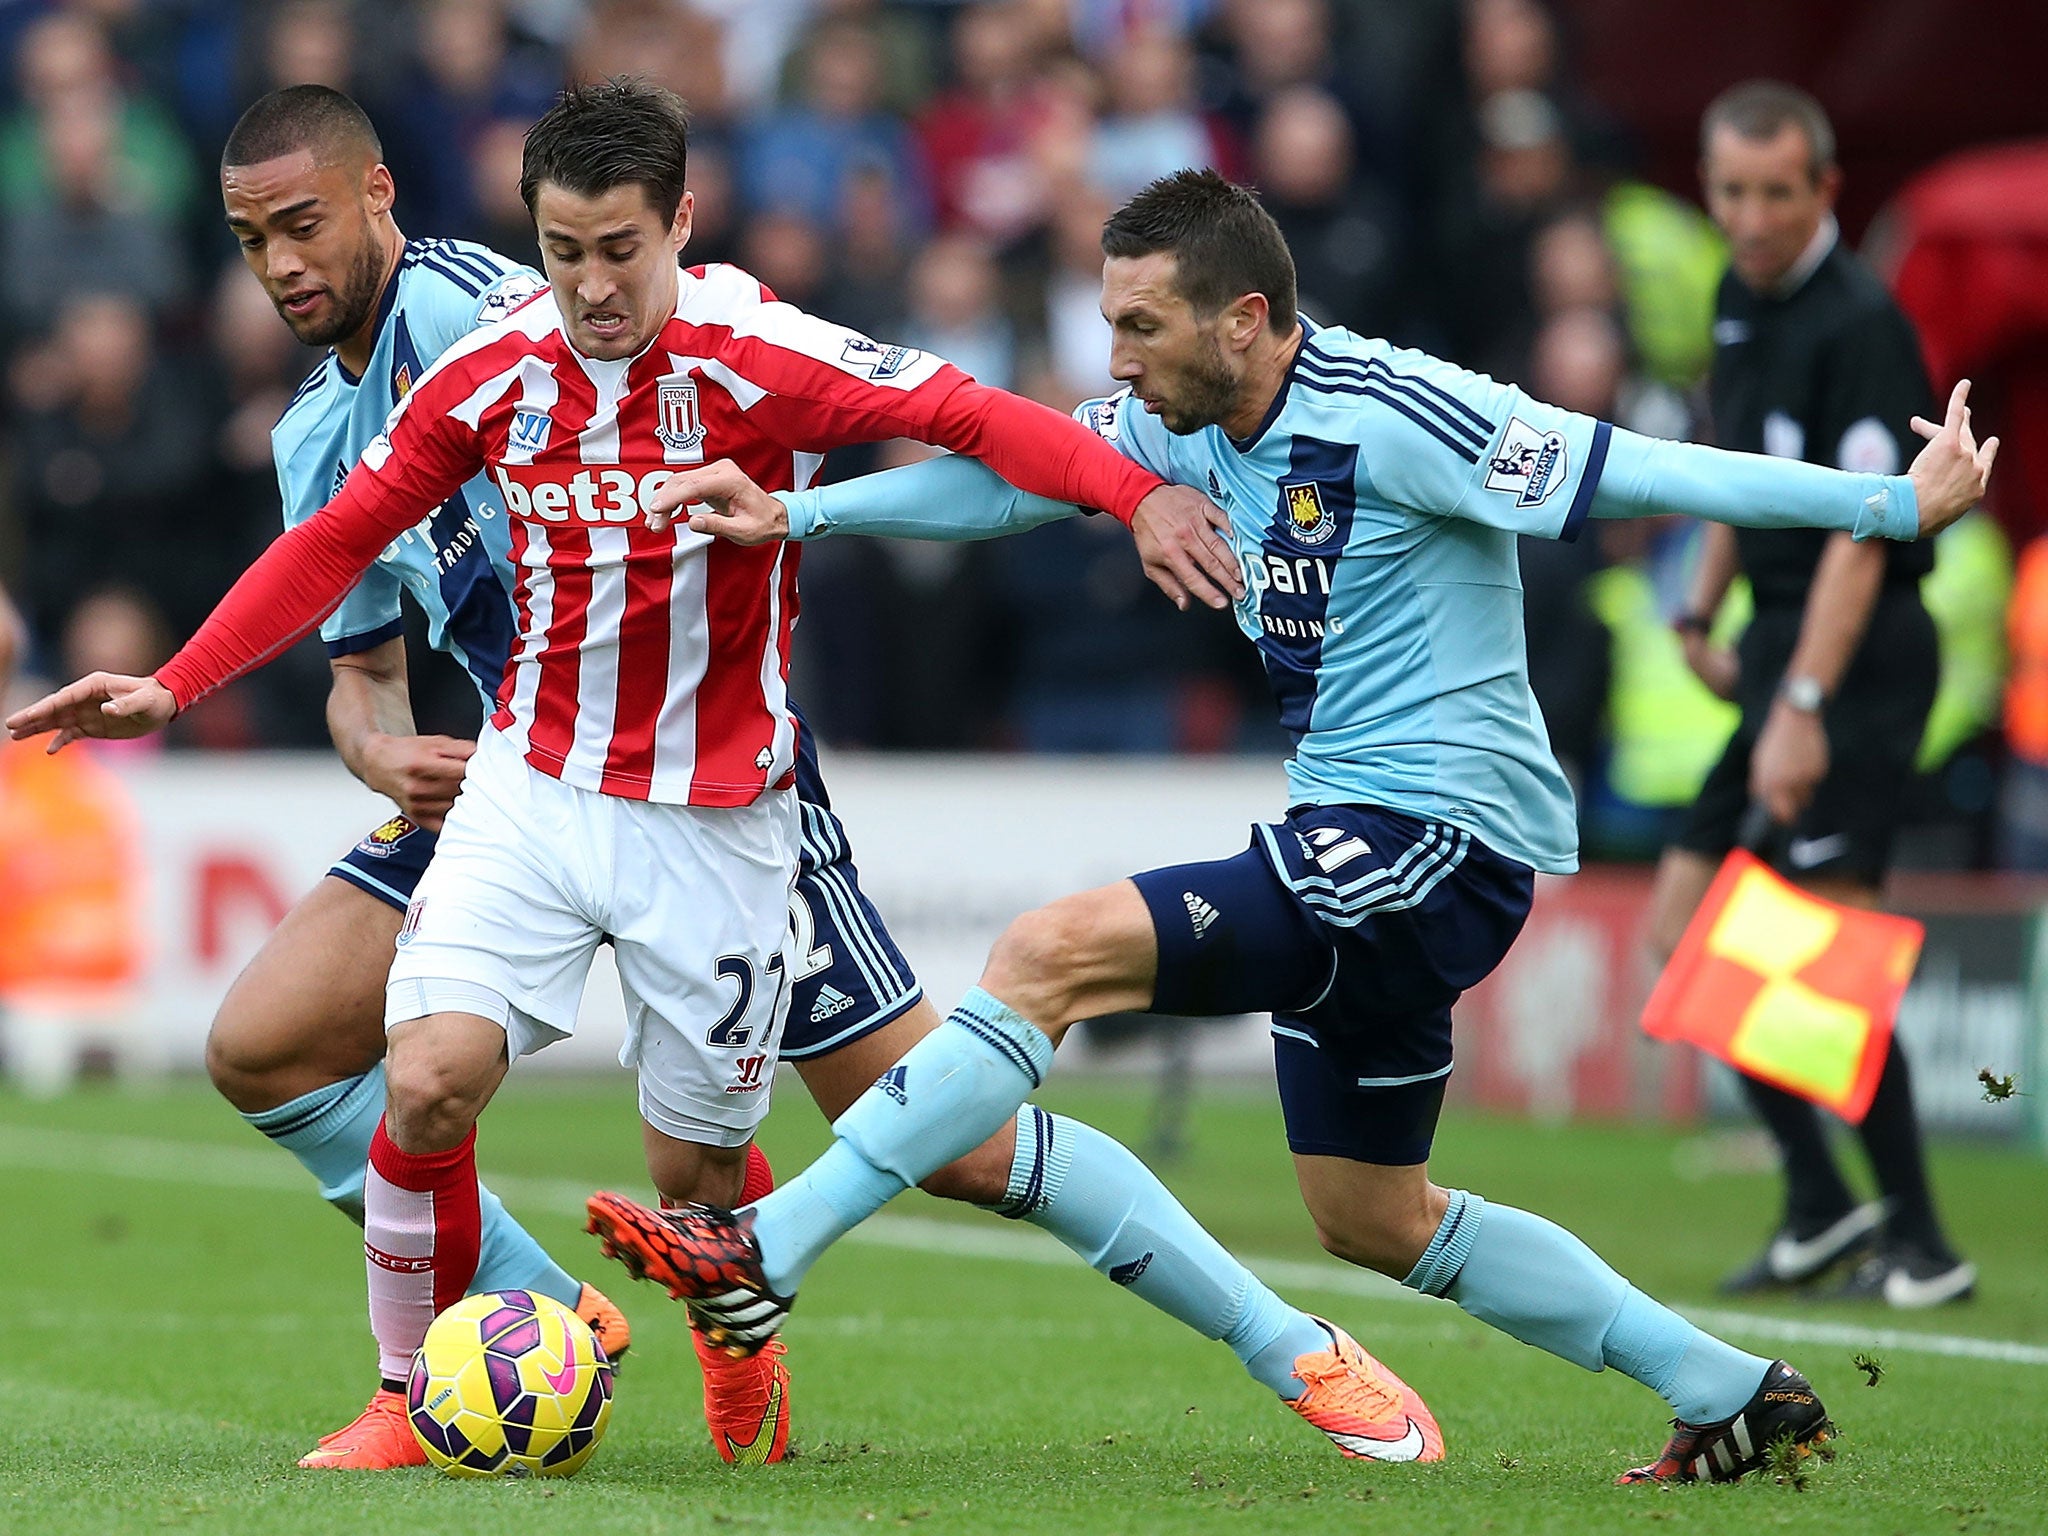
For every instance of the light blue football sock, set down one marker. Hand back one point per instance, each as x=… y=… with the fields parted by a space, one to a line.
x=329 y=1129
x=1089 y=1191
x=1533 y=1280
x=952 y=1091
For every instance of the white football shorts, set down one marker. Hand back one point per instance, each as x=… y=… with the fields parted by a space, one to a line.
x=532 y=874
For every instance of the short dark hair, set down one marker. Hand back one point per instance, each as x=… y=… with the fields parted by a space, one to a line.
x=608 y=134
x=1224 y=244
x=1762 y=109
x=315 y=117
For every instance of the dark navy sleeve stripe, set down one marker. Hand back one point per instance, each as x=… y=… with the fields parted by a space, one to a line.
x=483 y=270
x=1589 y=482
x=461 y=279
x=369 y=640
x=312 y=382
x=1375 y=365
x=1428 y=424
x=1395 y=384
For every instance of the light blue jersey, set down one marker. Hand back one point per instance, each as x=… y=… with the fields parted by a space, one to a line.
x=456 y=562
x=1374 y=513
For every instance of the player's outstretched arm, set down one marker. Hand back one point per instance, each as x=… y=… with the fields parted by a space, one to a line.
x=1952 y=473
x=104 y=704
x=1646 y=476
x=947 y=499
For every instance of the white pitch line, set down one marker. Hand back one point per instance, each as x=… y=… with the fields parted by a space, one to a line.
x=259 y=1168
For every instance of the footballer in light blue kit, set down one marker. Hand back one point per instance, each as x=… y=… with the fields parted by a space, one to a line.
x=1371 y=498
x=285 y=1049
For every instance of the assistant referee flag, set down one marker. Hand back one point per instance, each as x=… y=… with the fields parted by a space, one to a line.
x=1789 y=988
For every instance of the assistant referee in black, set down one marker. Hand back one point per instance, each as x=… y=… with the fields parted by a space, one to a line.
x=1837 y=670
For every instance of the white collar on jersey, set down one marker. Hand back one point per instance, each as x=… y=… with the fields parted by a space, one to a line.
x=1809 y=261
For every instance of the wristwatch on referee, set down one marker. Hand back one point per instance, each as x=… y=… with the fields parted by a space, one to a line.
x=1804 y=694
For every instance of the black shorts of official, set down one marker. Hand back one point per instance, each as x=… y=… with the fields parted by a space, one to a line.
x=1356 y=928
x=1874 y=725
x=847 y=977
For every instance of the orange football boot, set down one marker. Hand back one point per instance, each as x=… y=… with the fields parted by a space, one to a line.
x=746 y=1401
x=381 y=1438
x=614 y=1333
x=1369 y=1412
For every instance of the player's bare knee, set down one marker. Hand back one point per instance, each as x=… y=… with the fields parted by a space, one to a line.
x=982 y=1177
x=241 y=1069
x=430 y=1103
x=1390 y=1238
x=1043 y=961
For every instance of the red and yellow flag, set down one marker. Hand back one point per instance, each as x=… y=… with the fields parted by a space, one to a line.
x=1789 y=988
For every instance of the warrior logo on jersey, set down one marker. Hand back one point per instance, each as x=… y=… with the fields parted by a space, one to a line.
x=1308 y=519
x=1529 y=464
x=529 y=433
x=678 y=422
x=876 y=361
x=378 y=844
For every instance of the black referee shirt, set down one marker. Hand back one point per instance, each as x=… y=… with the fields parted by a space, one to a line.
x=1831 y=373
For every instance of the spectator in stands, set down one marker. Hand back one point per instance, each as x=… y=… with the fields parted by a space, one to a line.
x=82 y=231
x=467 y=77
x=785 y=249
x=659 y=40
x=1343 y=230
x=871 y=257
x=13 y=641
x=109 y=452
x=499 y=218
x=954 y=313
x=977 y=135
x=799 y=159
x=308 y=42
x=66 y=72
x=1154 y=126
x=1076 y=336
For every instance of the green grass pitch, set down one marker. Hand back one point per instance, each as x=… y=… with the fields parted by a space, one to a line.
x=183 y=1317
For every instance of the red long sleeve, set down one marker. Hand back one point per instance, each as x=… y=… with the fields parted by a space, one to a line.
x=815 y=386
x=291 y=587
x=1041 y=451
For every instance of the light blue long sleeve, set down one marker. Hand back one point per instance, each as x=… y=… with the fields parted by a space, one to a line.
x=949 y=499
x=1646 y=476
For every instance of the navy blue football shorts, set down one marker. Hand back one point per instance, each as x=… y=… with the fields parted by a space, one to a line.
x=847 y=977
x=1356 y=929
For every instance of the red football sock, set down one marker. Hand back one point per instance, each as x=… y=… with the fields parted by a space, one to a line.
x=421 y=1232
x=760 y=1178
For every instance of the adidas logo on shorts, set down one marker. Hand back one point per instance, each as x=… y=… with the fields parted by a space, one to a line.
x=1200 y=913
x=830 y=1001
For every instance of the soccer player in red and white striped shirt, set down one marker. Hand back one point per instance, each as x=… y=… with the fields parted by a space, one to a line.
x=634 y=784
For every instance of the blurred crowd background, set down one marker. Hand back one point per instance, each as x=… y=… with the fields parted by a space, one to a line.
x=1503 y=182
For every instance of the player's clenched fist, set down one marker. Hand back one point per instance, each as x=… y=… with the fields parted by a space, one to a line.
x=729 y=505
x=1951 y=474
x=104 y=704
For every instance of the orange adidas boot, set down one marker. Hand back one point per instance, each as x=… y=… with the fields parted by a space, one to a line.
x=380 y=1438
x=1369 y=1412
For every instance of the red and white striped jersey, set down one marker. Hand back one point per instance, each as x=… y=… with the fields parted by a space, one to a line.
x=647 y=665
x=650 y=665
